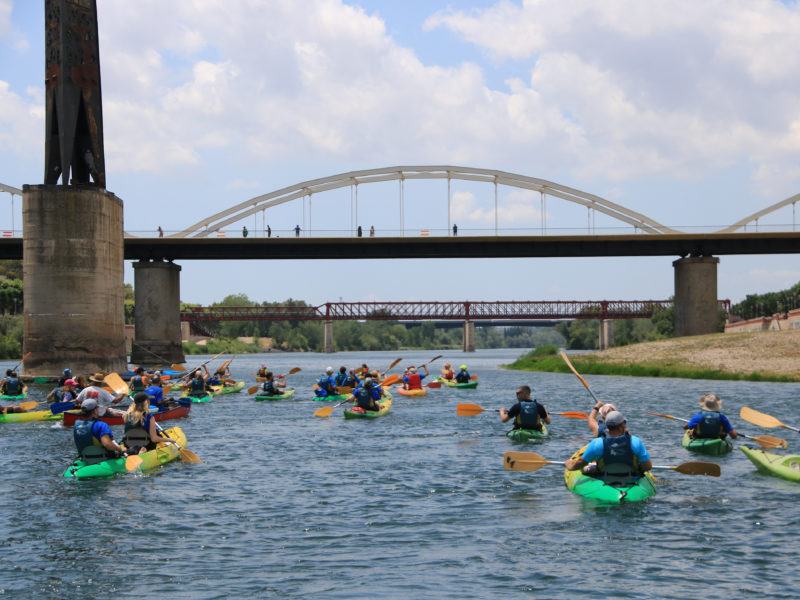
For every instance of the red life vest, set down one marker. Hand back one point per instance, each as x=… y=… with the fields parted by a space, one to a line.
x=414 y=381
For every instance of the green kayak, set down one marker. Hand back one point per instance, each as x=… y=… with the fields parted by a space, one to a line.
x=386 y=405
x=596 y=489
x=780 y=465
x=523 y=435
x=286 y=395
x=219 y=390
x=335 y=398
x=199 y=396
x=21 y=396
x=469 y=385
x=710 y=446
x=30 y=416
x=164 y=453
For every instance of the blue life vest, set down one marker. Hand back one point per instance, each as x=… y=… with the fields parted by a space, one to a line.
x=83 y=434
x=13 y=387
x=528 y=417
x=618 y=457
x=137 y=383
x=324 y=383
x=349 y=381
x=198 y=385
x=710 y=425
x=269 y=388
x=364 y=399
x=462 y=377
x=340 y=379
x=602 y=430
x=145 y=424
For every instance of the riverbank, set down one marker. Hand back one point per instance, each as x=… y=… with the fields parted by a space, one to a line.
x=751 y=356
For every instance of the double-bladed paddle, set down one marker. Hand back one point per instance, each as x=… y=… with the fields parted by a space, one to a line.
x=468 y=409
x=530 y=461
x=765 y=441
x=28 y=405
x=578 y=375
x=59 y=407
x=762 y=419
x=327 y=410
x=435 y=385
x=20 y=362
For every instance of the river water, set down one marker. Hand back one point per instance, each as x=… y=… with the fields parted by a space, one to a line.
x=413 y=505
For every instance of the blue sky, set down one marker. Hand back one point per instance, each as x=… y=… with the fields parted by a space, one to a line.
x=686 y=112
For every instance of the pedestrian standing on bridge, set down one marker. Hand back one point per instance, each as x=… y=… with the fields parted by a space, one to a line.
x=359 y=231
x=244 y=231
x=372 y=231
x=455 y=230
x=269 y=231
x=297 y=231
x=160 y=232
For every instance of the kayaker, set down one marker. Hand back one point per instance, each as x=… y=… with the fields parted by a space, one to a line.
x=341 y=376
x=262 y=372
x=271 y=387
x=65 y=374
x=447 y=371
x=140 y=426
x=463 y=375
x=710 y=422
x=65 y=393
x=197 y=384
x=81 y=383
x=213 y=380
x=597 y=417
x=366 y=396
x=139 y=381
x=351 y=380
x=92 y=437
x=620 y=456
x=413 y=380
x=11 y=385
x=155 y=391
x=326 y=386
x=527 y=413
x=102 y=397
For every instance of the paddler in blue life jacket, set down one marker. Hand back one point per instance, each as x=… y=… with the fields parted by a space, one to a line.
x=65 y=393
x=463 y=375
x=155 y=392
x=366 y=396
x=92 y=437
x=351 y=380
x=197 y=384
x=139 y=381
x=621 y=457
x=11 y=385
x=271 y=387
x=66 y=374
x=527 y=413
x=326 y=386
x=341 y=376
x=141 y=434
x=597 y=418
x=710 y=422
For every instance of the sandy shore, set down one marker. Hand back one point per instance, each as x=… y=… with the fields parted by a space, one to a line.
x=766 y=352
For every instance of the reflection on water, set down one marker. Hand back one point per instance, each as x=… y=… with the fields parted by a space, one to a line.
x=414 y=505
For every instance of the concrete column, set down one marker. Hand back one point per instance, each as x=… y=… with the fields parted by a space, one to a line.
x=157 y=286
x=327 y=338
x=696 y=309
x=73 y=258
x=469 y=336
x=606 y=339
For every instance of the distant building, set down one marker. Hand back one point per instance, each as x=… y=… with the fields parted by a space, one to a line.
x=776 y=322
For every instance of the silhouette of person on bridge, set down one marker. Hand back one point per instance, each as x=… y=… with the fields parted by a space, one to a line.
x=269 y=231
x=297 y=231
x=160 y=232
x=244 y=231
x=359 y=231
x=455 y=230
x=372 y=231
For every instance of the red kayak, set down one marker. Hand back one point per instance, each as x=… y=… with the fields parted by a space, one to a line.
x=71 y=416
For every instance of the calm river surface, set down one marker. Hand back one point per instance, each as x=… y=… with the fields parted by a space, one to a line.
x=413 y=505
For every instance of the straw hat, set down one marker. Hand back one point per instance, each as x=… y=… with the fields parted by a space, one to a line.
x=98 y=377
x=710 y=402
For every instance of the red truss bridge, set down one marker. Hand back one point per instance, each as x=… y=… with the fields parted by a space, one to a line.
x=436 y=311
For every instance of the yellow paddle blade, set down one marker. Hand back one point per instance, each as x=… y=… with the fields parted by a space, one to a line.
x=768 y=441
x=759 y=418
x=344 y=390
x=177 y=367
x=468 y=409
x=252 y=390
x=695 y=468
x=28 y=405
x=524 y=461
x=294 y=370
x=188 y=456
x=116 y=383
x=391 y=379
x=132 y=462
x=324 y=412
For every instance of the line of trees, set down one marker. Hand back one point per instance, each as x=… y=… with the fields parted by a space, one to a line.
x=766 y=305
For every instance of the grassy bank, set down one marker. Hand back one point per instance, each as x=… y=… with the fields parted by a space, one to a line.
x=752 y=356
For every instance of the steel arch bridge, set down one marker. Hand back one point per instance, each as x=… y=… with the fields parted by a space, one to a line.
x=214 y=223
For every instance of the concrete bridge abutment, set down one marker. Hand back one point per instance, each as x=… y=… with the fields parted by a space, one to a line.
x=696 y=305
x=469 y=336
x=327 y=338
x=73 y=259
x=606 y=338
x=158 y=314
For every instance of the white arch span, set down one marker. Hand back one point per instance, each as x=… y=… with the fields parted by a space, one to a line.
x=210 y=225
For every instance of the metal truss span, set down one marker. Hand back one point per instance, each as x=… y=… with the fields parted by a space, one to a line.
x=435 y=311
x=210 y=225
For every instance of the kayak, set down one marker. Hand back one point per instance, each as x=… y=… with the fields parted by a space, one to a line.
x=164 y=453
x=286 y=395
x=218 y=390
x=452 y=383
x=523 y=435
x=199 y=396
x=172 y=374
x=334 y=398
x=30 y=416
x=178 y=412
x=596 y=489
x=386 y=405
x=784 y=466
x=21 y=396
x=711 y=446
x=416 y=393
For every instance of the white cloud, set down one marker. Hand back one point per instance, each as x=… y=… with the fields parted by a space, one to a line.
x=21 y=122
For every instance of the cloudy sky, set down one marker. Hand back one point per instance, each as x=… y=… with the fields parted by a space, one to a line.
x=687 y=112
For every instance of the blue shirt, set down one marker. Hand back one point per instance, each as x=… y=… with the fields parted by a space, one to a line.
x=594 y=451
x=156 y=393
x=695 y=421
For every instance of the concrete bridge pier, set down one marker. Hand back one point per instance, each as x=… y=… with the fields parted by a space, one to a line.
x=327 y=338
x=469 y=336
x=606 y=338
x=696 y=306
x=73 y=259
x=158 y=314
